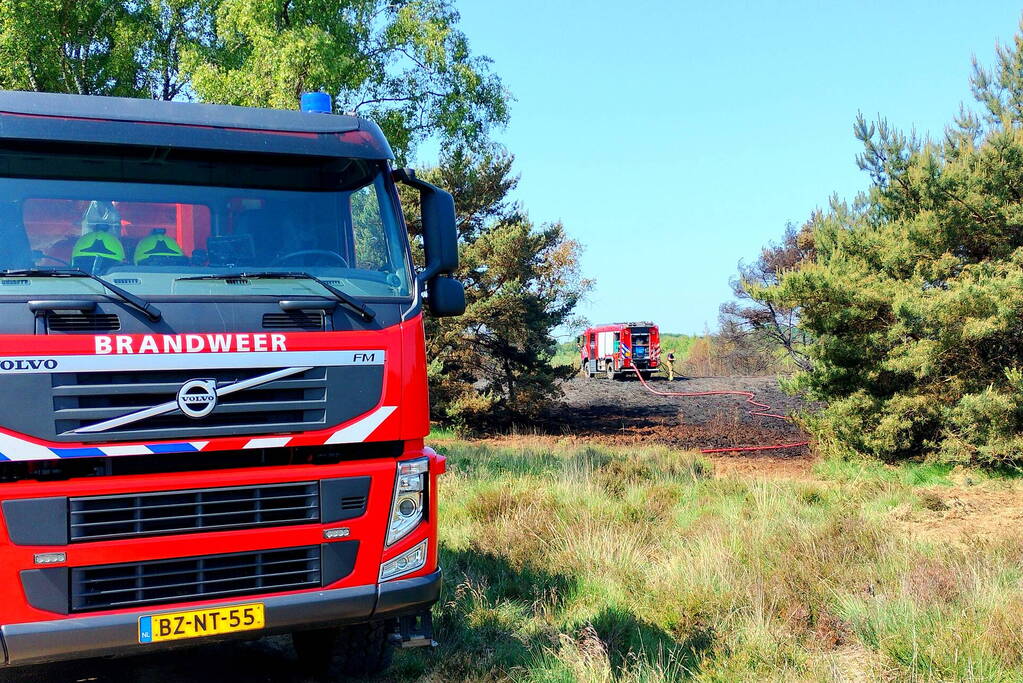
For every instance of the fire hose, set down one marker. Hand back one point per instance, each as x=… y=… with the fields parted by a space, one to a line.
x=758 y=409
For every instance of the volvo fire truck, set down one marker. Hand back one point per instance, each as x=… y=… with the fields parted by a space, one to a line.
x=214 y=379
x=619 y=349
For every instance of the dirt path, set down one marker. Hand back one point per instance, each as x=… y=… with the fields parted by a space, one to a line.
x=964 y=514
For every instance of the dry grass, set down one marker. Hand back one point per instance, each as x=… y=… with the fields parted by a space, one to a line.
x=586 y=564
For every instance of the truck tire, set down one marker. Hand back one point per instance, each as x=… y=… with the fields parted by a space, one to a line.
x=334 y=654
x=609 y=368
x=584 y=368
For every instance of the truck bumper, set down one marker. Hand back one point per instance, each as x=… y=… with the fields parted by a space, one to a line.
x=118 y=634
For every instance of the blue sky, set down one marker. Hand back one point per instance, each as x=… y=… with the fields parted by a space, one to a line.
x=675 y=138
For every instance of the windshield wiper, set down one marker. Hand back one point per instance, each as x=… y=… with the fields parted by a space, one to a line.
x=353 y=304
x=139 y=304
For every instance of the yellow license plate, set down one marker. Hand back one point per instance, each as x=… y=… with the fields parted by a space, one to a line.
x=156 y=628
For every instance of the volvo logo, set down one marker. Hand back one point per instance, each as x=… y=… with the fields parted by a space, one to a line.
x=28 y=364
x=198 y=397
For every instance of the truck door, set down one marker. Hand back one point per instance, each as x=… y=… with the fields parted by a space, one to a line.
x=591 y=353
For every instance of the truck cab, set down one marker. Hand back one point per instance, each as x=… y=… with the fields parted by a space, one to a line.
x=211 y=343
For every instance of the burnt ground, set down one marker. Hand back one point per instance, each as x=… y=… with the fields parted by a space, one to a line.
x=624 y=412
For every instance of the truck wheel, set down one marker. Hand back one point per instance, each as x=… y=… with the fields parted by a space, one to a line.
x=609 y=368
x=584 y=368
x=345 y=651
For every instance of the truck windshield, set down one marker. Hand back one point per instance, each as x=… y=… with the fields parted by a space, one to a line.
x=150 y=238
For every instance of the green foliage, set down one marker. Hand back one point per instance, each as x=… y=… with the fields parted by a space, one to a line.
x=88 y=47
x=914 y=296
x=404 y=64
x=679 y=344
x=102 y=47
x=492 y=366
x=566 y=354
x=755 y=329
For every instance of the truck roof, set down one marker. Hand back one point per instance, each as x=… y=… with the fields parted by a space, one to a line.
x=31 y=116
x=622 y=325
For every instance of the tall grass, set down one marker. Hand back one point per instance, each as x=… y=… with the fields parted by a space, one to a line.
x=588 y=564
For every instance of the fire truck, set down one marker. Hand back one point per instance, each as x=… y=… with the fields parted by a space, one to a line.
x=615 y=349
x=213 y=364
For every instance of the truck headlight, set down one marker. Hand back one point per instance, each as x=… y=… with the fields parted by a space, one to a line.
x=409 y=561
x=409 y=498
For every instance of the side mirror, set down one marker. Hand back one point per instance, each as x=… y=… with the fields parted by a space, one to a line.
x=445 y=296
x=440 y=237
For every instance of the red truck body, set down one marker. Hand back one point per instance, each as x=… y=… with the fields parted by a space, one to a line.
x=247 y=458
x=620 y=348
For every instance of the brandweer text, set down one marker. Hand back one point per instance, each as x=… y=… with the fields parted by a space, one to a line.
x=190 y=343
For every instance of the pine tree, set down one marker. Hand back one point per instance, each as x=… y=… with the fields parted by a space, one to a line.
x=491 y=367
x=914 y=299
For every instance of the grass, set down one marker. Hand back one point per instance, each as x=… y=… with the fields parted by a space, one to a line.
x=587 y=564
x=911 y=473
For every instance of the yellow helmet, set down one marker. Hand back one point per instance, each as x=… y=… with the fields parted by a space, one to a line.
x=96 y=251
x=157 y=249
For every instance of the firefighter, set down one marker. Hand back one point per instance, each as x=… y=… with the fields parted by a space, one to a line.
x=100 y=246
x=159 y=249
x=669 y=366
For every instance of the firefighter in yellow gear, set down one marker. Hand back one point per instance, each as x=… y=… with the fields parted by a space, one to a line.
x=669 y=366
x=99 y=248
x=159 y=249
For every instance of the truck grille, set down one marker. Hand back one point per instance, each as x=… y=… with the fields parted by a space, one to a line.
x=174 y=512
x=296 y=403
x=82 y=322
x=293 y=320
x=194 y=578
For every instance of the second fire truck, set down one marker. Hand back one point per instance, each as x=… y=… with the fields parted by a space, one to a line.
x=615 y=349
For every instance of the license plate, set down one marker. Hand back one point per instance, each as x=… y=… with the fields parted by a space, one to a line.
x=156 y=628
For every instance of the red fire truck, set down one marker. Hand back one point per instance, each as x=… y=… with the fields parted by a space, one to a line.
x=616 y=348
x=212 y=353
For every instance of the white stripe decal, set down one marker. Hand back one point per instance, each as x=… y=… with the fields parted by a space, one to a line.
x=27 y=365
x=126 y=450
x=278 y=442
x=14 y=448
x=198 y=445
x=360 y=431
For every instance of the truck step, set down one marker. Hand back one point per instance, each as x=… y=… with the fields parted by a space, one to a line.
x=415 y=630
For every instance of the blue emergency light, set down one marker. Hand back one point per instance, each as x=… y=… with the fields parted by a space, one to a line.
x=316 y=103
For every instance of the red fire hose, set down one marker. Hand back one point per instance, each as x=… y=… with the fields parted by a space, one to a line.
x=758 y=410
